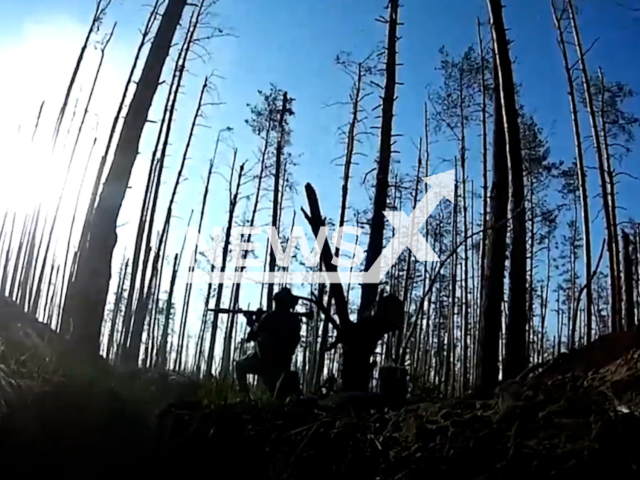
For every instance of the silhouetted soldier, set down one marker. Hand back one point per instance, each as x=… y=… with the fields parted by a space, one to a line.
x=277 y=335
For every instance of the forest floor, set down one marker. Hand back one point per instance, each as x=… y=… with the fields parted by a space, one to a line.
x=59 y=415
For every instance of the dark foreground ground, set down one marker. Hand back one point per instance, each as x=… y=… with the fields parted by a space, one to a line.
x=574 y=428
x=61 y=416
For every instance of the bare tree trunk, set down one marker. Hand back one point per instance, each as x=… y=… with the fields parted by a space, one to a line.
x=485 y=178
x=572 y=328
x=185 y=311
x=103 y=161
x=103 y=50
x=225 y=369
x=33 y=283
x=276 y=195
x=116 y=309
x=34 y=304
x=450 y=370
x=464 y=327
x=629 y=297
x=187 y=296
x=28 y=266
x=98 y=15
x=324 y=341
x=91 y=285
x=611 y=238
x=16 y=263
x=408 y=274
x=35 y=128
x=161 y=357
x=7 y=259
x=612 y=193
x=47 y=297
x=582 y=173
x=142 y=306
x=490 y=321
x=236 y=291
x=148 y=213
x=53 y=296
x=516 y=339
x=156 y=307
x=220 y=288
x=376 y=233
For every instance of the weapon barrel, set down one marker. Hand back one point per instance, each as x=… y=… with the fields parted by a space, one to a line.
x=230 y=310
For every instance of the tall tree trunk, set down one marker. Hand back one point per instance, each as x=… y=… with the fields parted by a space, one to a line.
x=516 y=338
x=220 y=288
x=225 y=368
x=531 y=272
x=142 y=307
x=582 y=173
x=47 y=297
x=91 y=284
x=116 y=309
x=490 y=320
x=485 y=178
x=376 y=232
x=27 y=267
x=187 y=295
x=38 y=118
x=156 y=176
x=408 y=273
x=450 y=370
x=612 y=193
x=275 y=209
x=16 y=263
x=161 y=357
x=629 y=297
x=611 y=238
x=114 y=124
x=36 y=300
x=98 y=15
x=185 y=311
x=7 y=259
x=464 y=327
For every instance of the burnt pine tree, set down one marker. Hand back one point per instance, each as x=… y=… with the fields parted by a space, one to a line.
x=233 y=201
x=94 y=27
x=562 y=25
x=456 y=111
x=90 y=287
x=144 y=299
x=516 y=329
x=114 y=124
x=369 y=291
x=283 y=133
x=614 y=277
x=359 y=339
x=490 y=320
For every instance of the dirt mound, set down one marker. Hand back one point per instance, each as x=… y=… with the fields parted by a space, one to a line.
x=570 y=425
x=576 y=426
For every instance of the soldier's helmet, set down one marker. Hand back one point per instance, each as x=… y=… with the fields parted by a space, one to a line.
x=285 y=298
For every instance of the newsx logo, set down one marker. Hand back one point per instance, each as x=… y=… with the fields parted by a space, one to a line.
x=407 y=235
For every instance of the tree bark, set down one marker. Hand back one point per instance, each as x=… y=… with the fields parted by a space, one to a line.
x=276 y=195
x=490 y=320
x=629 y=297
x=516 y=339
x=94 y=263
x=611 y=238
x=582 y=173
x=376 y=233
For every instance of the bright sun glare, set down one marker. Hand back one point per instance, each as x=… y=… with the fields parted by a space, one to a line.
x=31 y=173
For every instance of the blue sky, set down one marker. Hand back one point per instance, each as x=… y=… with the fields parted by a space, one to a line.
x=293 y=43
